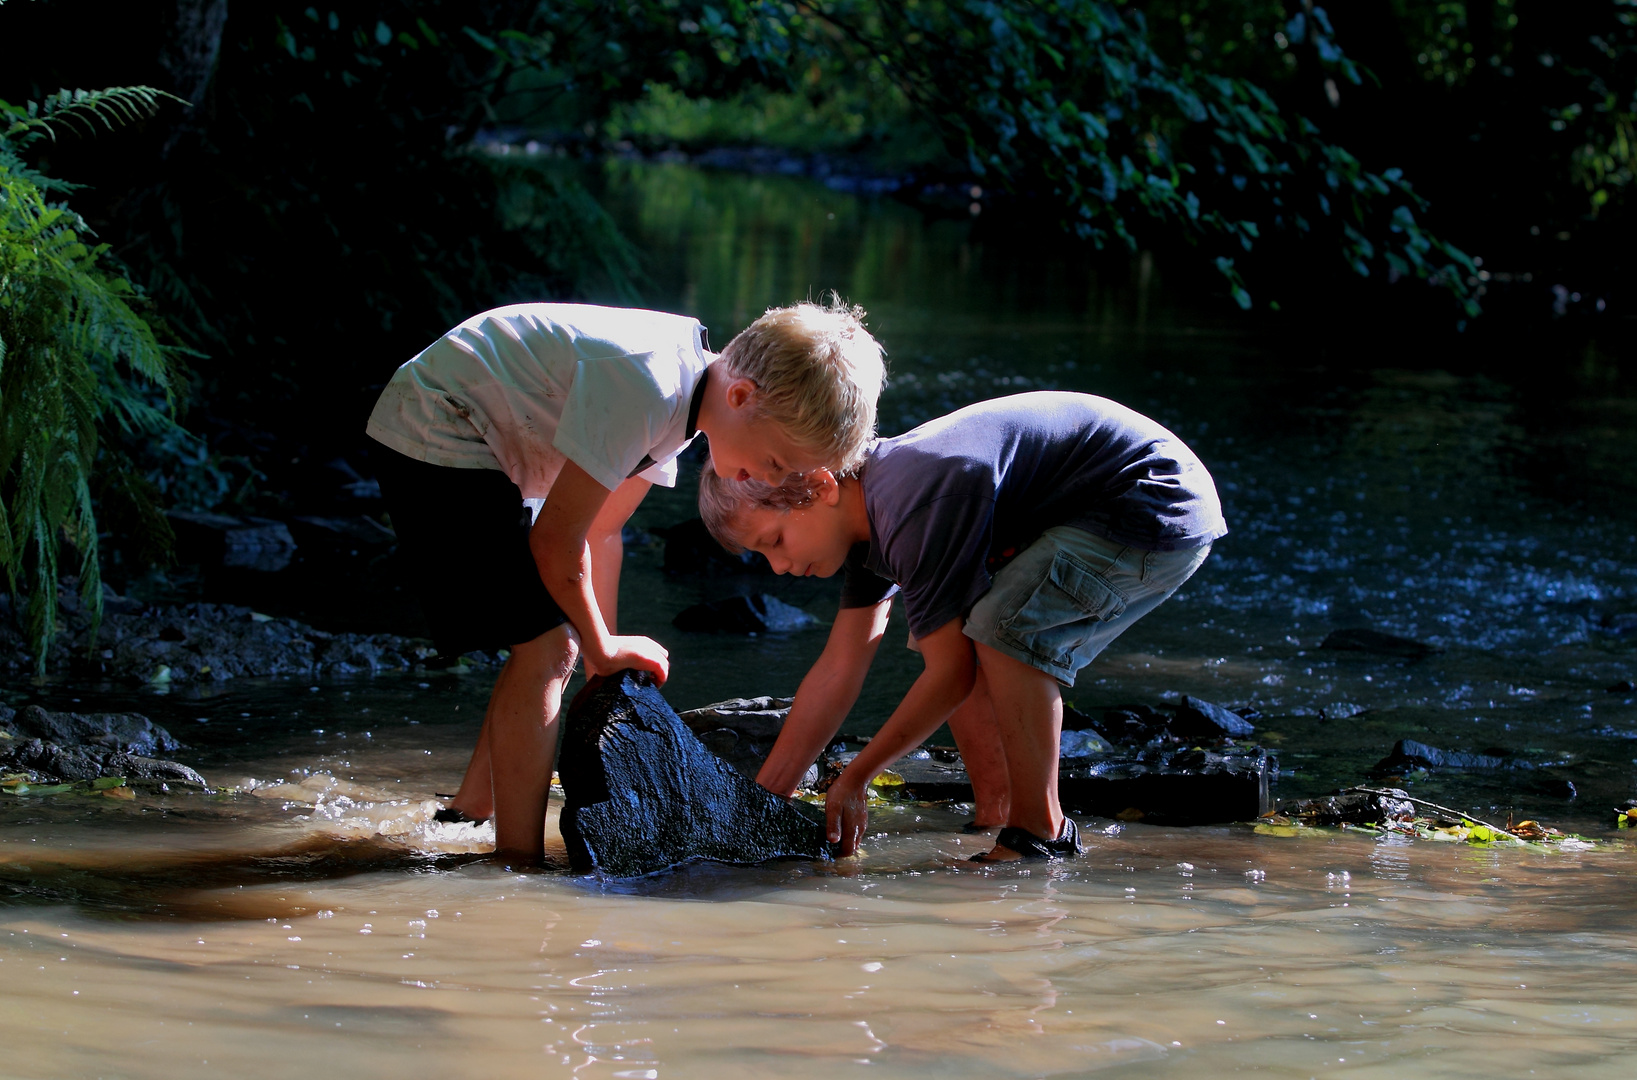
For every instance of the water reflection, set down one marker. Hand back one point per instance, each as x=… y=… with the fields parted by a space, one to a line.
x=1501 y=962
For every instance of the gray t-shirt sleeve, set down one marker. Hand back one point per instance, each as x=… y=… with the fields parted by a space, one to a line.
x=939 y=553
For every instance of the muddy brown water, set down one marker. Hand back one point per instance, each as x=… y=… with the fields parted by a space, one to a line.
x=312 y=918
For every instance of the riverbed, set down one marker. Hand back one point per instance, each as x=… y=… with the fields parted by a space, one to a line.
x=310 y=916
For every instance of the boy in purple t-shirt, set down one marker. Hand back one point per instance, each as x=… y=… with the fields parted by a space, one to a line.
x=1026 y=533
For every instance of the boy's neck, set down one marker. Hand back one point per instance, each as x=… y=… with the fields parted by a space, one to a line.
x=851 y=504
x=712 y=392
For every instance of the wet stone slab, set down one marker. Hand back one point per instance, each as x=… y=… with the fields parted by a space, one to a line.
x=62 y=747
x=643 y=794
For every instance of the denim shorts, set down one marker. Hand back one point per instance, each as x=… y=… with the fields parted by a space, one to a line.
x=1069 y=594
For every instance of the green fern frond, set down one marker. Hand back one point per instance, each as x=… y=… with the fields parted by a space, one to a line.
x=78 y=357
x=82 y=110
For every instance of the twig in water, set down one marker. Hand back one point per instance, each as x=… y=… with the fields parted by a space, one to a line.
x=1393 y=794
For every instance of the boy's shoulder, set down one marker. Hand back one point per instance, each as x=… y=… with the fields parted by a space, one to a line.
x=587 y=323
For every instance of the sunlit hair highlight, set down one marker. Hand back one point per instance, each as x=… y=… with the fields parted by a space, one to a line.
x=818 y=373
x=723 y=504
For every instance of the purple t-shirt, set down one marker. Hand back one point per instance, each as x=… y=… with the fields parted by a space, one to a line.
x=971 y=489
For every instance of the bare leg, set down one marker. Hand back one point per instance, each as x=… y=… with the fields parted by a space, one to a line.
x=983 y=754
x=476 y=798
x=521 y=725
x=1028 y=709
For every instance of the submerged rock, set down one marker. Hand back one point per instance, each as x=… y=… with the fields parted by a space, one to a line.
x=643 y=794
x=1374 y=641
x=758 y=614
x=1409 y=754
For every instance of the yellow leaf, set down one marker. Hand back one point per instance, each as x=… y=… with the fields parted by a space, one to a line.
x=888 y=778
x=1276 y=830
x=124 y=793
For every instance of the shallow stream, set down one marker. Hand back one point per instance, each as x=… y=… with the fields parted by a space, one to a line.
x=312 y=917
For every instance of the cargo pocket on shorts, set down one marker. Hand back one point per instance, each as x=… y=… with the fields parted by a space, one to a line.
x=1055 y=620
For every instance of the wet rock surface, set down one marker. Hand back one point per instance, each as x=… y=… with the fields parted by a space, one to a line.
x=1173 y=764
x=756 y=614
x=1374 y=641
x=1407 y=754
x=1354 y=808
x=1192 y=720
x=252 y=543
x=643 y=794
x=63 y=747
x=742 y=731
x=191 y=643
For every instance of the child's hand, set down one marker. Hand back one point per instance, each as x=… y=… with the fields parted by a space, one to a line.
x=846 y=813
x=639 y=653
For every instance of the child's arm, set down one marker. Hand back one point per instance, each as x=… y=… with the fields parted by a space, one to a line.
x=608 y=548
x=826 y=695
x=558 y=541
x=951 y=669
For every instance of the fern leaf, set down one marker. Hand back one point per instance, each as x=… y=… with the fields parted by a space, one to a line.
x=81 y=110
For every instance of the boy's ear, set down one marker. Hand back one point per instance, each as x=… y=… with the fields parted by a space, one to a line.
x=740 y=392
x=826 y=488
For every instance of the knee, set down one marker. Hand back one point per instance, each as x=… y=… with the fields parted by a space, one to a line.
x=567 y=653
x=552 y=655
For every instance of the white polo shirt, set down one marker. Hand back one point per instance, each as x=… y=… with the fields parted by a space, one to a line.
x=524 y=387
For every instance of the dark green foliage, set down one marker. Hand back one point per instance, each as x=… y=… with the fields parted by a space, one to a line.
x=77 y=358
x=1069 y=102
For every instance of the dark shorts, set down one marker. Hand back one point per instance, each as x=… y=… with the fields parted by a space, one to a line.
x=463 y=552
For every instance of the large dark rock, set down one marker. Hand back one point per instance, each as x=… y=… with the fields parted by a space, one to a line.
x=758 y=614
x=65 y=747
x=1374 y=641
x=1200 y=718
x=49 y=763
x=742 y=731
x=131 y=733
x=643 y=794
x=221 y=539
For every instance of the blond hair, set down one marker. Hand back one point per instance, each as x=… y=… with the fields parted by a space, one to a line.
x=818 y=372
x=723 y=503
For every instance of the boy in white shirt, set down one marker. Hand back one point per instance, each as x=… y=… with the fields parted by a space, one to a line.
x=584 y=408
